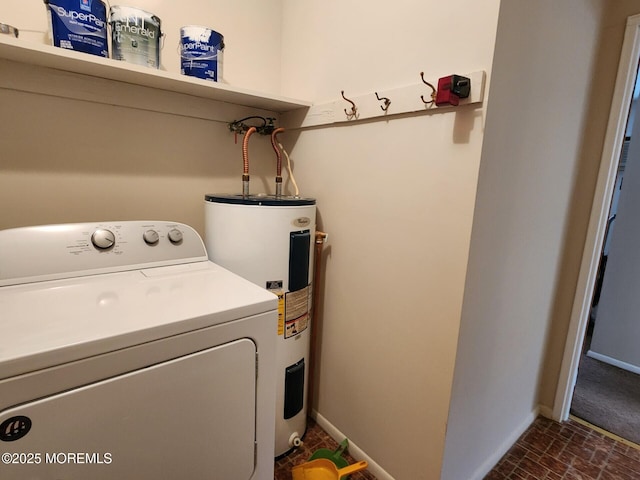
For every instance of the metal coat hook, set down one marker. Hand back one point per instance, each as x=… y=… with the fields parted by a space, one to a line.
x=354 y=109
x=386 y=101
x=433 y=91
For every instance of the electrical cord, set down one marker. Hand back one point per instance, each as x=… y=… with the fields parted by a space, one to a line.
x=293 y=180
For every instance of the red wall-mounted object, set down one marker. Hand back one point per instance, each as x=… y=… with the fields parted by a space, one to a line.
x=451 y=89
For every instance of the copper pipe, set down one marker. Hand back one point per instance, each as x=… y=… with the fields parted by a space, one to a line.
x=245 y=149
x=321 y=238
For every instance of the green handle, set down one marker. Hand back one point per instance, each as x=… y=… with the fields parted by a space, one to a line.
x=343 y=446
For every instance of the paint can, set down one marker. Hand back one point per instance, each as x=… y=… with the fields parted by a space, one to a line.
x=135 y=36
x=79 y=25
x=201 y=52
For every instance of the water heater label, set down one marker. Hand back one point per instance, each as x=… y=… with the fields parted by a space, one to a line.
x=275 y=287
x=302 y=222
x=297 y=326
x=296 y=312
x=280 y=313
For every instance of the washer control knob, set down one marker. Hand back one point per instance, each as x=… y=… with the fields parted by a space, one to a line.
x=103 y=239
x=151 y=237
x=175 y=236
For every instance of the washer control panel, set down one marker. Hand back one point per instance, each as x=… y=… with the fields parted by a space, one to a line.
x=103 y=239
x=151 y=237
x=62 y=251
x=122 y=237
x=175 y=236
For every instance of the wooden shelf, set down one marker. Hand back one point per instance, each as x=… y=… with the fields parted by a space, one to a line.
x=47 y=56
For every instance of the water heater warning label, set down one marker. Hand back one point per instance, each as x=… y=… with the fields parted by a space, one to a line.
x=280 y=313
x=275 y=287
x=294 y=327
x=296 y=312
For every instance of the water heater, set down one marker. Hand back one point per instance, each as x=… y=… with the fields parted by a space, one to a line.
x=269 y=241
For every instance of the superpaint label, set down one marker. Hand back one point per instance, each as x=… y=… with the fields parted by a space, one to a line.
x=80 y=21
x=79 y=25
x=198 y=47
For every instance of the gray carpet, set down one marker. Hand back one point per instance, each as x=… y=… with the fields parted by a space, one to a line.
x=608 y=397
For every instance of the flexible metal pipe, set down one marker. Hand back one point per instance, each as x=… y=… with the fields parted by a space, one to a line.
x=274 y=144
x=245 y=161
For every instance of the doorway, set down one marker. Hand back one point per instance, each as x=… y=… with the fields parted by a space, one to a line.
x=600 y=218
x=607 y=390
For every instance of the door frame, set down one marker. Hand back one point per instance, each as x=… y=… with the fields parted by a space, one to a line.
x=614 y=138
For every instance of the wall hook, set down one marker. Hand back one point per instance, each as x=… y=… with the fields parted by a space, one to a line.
x=386 y=101
x=433 y=91
x=354 y=109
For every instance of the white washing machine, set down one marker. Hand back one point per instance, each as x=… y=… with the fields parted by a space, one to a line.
x=126 y=354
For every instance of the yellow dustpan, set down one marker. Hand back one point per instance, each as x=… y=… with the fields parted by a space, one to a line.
x=323 y=469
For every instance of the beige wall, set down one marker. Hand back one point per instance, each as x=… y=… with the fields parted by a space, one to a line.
x=396 y=197
x=251 y=29
x=78 y=148
x=536 y=121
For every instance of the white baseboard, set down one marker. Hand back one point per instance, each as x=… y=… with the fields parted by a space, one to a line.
x=504 y=447
x=355 y=451
x=546 y=412
x=612 y=361
x=480 y=472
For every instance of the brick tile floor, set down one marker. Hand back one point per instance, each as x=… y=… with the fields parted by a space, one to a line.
x=546 y=451
x=567 y=451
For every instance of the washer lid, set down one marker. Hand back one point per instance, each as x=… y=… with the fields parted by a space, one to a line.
x=58 y=321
